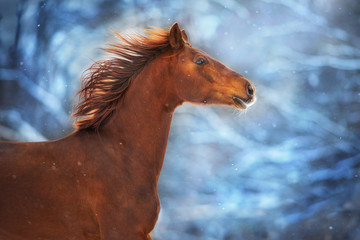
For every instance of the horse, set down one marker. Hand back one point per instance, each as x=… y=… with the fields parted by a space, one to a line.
x=100 y=181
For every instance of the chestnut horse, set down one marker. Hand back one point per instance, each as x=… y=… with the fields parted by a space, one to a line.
x=100 y=182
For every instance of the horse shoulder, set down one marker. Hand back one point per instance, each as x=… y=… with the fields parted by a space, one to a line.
x=44 y=187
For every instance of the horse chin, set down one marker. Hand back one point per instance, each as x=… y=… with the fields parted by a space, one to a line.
x=239 y=102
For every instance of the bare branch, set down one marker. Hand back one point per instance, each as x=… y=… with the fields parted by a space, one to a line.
x=51 y=102
x=24 y=131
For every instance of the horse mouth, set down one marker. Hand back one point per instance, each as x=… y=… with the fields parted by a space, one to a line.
x=239 y=102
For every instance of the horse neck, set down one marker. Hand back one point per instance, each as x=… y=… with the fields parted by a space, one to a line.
x=141 y=122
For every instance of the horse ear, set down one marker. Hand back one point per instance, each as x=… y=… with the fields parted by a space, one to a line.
x=175 y=37
x=184 y=35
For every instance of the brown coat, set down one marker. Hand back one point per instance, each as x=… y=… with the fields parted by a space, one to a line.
x=100 y=182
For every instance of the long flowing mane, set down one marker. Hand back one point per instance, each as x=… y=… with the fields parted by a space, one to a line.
x=106 y=81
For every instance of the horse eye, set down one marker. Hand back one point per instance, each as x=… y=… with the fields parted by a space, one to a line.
x=200 y=61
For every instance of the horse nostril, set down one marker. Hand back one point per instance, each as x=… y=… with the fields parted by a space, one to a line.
x=249 y=89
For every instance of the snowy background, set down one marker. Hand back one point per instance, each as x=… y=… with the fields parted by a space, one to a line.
x=287 y=168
